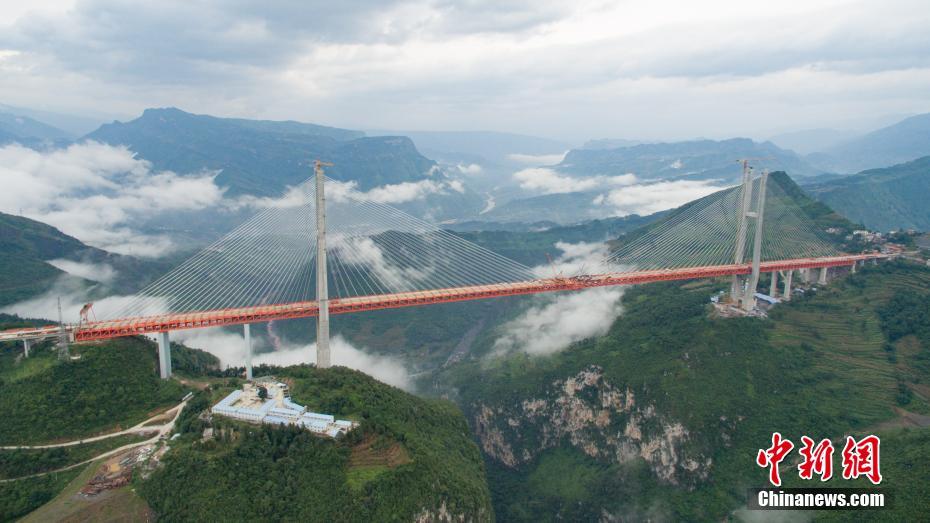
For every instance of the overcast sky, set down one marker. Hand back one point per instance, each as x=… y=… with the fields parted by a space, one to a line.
x=580 y=69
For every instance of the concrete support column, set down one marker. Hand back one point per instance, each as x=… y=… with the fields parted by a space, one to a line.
x=27 y=344
x=248 y=351
x=852 y=269
x=823 y=275
x=164 y=355
x=788 y=285
x=774 y=292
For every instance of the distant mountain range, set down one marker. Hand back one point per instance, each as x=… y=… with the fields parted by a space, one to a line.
x=263 y=157
x=259 y=157
x=902 y=142
x=27 y=131
x=883 y=199
x=812 y=140
x=697 y=159
x=480 y=147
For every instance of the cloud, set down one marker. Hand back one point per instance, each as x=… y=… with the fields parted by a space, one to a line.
x=548 y=181
x=576 y=258
x=664 y=69
x=654 y=197
x=561 y=321
x=365 y=253
x=99 y=194
x=537 y=159
x=99 y=272
x=403 y=192
x=73 y=294
x=469 y=169
x=556 y=321
x=229 y=347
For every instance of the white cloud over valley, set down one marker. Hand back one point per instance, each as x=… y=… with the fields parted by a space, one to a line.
x=553 y=322
x=550 y=181
x=99 y=194
x=650 y=198
x=229 y=347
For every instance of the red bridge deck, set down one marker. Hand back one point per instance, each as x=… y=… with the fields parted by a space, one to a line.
x=214 y=318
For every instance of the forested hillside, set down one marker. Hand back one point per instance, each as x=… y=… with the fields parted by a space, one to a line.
x=113 y=384
x=661 y=417
x=26 y=246
x=411 y=459
x=885 y=199
x=898 y=143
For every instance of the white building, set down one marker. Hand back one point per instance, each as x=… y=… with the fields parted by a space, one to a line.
x=277 y=409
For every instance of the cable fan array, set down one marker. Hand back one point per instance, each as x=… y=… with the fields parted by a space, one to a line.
x=375 y=249
x=704 y=233
x=372 y=248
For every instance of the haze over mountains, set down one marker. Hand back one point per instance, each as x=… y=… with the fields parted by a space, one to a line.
x=479 y=176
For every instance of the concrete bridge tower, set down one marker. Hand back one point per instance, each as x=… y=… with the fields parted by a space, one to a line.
x=322 y=285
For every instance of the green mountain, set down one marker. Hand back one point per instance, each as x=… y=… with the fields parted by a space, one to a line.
x=697 y=159
x=883 y=199
x=902 y=142
x=113 y=384
x=109 y=386
x=410 y=459
x=263 y=157
x=661 y=418
x=26 y=246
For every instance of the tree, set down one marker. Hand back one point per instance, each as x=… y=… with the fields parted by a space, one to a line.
x=262 y=393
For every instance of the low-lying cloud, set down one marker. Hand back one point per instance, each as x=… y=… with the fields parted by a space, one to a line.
x=230 y=348
x=650 y=198
x=548 y=181
x=99 y=193
x=99 y=272
x=73 y=293
x=469 y=169
x=403 y=192
x=537 y=159
x=554 y=322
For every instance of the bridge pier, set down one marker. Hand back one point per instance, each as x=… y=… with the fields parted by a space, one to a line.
x=788 y=285
x=27 y=344
x=822 y=280
x=247 y=331
x=774 y=292
x=852 y=270
x=164 y=355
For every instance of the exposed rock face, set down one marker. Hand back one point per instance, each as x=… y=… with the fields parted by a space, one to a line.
x=442 y=515
x=594 y=416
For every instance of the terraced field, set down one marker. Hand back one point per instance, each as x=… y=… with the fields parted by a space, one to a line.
x=841 y=324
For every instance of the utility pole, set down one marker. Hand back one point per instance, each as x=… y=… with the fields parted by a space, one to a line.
x=759 y=214
x=322 y=286
x=745 y=199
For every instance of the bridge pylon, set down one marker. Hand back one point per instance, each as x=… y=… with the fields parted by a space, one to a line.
x=758 y=215
x=322 y=285
x=736 y=287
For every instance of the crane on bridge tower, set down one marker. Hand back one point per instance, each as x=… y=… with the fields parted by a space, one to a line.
x=322 y=286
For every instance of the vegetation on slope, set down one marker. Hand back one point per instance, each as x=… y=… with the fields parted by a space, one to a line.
x=113 y=384
x=428 y=462
x=885 y=199
x=27 y=245
x=822 y=366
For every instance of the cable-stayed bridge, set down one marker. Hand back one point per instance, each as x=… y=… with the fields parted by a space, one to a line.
x=312 y=254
